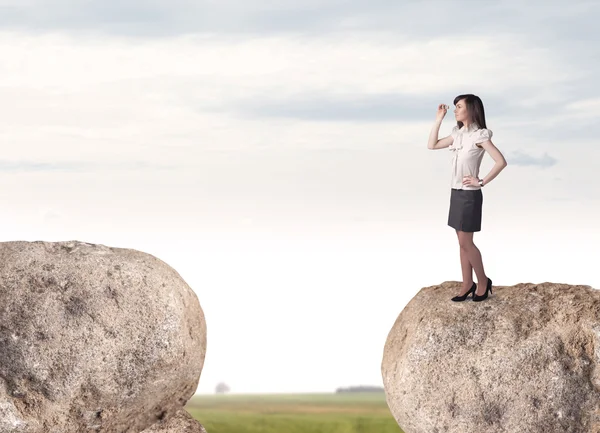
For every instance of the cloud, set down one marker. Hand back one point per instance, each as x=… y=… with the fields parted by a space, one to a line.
x=584 y=108
x=352 y=77
x=80 y=166
x=386 y=107
x=49 y=215
x=419 y=19
x=520 y=158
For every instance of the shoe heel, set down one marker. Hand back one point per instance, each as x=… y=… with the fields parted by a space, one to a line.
x=488 y=288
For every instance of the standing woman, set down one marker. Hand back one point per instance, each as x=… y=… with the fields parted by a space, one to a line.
x=468 y=142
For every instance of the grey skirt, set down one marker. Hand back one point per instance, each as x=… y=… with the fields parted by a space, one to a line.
x=465 y=209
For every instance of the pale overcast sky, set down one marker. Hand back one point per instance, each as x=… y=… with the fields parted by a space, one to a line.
x=274 y=154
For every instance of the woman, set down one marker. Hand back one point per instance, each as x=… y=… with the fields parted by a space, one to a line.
x=468 y=142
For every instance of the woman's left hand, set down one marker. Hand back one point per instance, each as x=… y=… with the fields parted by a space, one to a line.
x=470 y=181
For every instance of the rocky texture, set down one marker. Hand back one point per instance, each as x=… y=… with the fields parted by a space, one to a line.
x=94 y=339
x=525 y=360
x=181 y=422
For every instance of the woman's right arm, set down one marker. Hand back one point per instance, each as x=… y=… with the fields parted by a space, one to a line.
x=433 y=142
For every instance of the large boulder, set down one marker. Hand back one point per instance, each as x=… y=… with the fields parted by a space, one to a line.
x=94 y=338
x=527 y=359
x=181 y=422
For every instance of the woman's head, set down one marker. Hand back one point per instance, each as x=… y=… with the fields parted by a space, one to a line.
x=469 y=108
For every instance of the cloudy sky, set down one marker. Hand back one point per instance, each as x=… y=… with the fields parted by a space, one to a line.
x=274 y=153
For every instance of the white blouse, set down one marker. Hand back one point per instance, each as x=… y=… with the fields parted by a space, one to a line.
x=466 y=155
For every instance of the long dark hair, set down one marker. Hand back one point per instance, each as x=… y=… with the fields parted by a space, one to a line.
x=474 y=108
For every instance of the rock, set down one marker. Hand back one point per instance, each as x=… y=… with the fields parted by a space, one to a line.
x=524 y=360
x=181 y=422
x=94 y=338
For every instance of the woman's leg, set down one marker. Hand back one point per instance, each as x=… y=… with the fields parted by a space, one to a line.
x=467 y=270
x=465 y=239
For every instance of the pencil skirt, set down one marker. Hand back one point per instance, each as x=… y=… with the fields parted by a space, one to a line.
x=465 y=209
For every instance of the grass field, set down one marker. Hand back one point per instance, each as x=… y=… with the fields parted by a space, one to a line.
x=294 y=413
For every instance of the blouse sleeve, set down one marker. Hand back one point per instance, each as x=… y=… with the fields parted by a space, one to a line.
x=483 y=135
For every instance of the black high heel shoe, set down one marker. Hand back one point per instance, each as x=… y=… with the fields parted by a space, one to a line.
x=478 y=298
x=466 y=295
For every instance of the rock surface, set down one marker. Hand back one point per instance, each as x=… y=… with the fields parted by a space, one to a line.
x=181 y=422
x=94 y=339
x=526 y=360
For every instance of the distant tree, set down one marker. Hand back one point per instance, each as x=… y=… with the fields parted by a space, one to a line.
x=222 y=388
x=360 y=389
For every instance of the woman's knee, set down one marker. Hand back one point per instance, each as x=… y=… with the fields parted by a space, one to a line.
x=465 y=241
x=467 y=246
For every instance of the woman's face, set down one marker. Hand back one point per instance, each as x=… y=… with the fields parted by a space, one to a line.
x=461 y=113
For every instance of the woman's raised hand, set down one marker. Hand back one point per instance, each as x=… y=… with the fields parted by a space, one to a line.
x=441 y=111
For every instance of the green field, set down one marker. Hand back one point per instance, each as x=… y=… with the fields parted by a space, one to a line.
x=294 y=413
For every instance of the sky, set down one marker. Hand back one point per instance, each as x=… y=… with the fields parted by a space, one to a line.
x=274 y=153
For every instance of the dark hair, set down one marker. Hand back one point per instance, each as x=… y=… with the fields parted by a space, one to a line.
x=474 y=108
